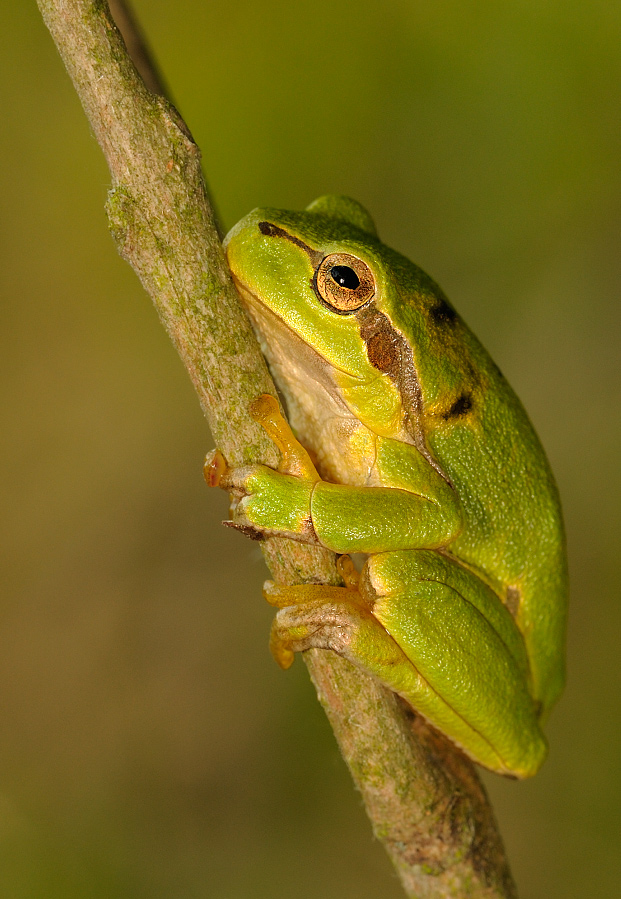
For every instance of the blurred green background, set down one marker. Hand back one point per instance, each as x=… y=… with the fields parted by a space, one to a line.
x=149 y=747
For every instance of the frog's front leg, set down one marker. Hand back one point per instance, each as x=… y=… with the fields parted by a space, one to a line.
x=293 y=501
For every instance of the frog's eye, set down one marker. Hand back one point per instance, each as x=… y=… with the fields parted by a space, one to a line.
x=344 y=283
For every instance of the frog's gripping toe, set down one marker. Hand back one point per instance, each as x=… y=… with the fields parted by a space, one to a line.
x=215 y=468
x=295 y=459
x=298 y=628
x=246 y=529
x=283 y=597
x=282 y=655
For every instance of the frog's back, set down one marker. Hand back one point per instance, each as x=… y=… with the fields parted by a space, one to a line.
x=513 y=530
x=478 y=431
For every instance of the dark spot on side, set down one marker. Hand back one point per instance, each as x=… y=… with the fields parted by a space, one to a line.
x=461 y=406
x=442 y=313
x=512 y=600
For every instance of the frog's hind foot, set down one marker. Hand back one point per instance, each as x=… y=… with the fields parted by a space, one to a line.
x=337 y=619
x=301 y=609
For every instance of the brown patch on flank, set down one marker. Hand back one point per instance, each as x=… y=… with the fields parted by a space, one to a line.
x=389 y=351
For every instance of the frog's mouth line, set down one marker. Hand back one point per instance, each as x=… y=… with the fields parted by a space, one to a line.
x=260 y=313
x=297 y=366
x=307 y=383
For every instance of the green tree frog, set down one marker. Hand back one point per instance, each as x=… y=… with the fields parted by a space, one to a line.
x=414 y=451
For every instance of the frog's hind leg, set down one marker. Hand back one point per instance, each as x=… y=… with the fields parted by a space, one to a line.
x=468 y=650
x=433 y=632
x=337 y=618
x=316 y=617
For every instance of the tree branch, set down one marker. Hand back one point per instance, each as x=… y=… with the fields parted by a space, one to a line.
x=423 y=797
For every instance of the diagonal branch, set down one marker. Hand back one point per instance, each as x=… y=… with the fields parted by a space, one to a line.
x=424 y=799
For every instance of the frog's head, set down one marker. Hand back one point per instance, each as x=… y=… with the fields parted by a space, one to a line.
x=326 y=298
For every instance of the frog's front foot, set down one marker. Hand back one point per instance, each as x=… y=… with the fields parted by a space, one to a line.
x=264 y=501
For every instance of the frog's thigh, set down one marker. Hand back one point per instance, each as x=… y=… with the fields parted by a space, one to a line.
x=475 y=680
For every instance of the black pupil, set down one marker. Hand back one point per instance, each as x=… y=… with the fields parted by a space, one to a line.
x=345 y=277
